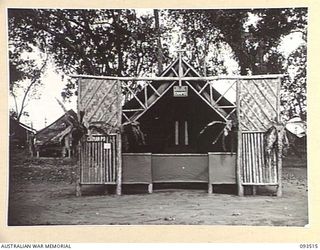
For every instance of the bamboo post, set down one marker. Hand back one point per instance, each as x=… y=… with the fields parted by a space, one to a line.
x=279 y=162
x=210 y=188
x=78 y=171
x=150 y=188
x=78 y=174
x=119 y=149
x=239 y=149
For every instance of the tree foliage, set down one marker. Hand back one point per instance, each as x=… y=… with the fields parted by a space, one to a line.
x=124 y=42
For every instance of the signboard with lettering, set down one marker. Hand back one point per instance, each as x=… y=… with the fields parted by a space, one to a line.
x=180 y=91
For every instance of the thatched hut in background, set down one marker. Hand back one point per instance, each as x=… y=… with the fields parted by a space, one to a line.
x=21 y=136
x=55 y=139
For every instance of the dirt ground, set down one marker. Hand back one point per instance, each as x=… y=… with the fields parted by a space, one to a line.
x=42 y=192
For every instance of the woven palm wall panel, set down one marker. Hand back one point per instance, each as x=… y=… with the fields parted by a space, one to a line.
x=100 y=99
x=259 y=103
x=258 y=109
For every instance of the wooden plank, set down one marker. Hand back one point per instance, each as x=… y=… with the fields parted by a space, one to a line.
x=245 y=159
x=260 y=184
x=251 y=163
x=132 y=110
x=239 y=148
x=164 y=78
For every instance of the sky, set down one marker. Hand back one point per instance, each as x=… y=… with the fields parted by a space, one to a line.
x=46 y=110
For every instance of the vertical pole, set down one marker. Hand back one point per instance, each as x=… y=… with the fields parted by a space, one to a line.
x=180 y=68
x=78 y=172
x=186 y=134
x=176 y=132
x=119 y=149
x=279 y=155
x=145 y=96
x=239 y=150
x=150 y=188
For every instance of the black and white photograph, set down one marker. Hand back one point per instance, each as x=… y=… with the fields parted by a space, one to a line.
x=157 y=116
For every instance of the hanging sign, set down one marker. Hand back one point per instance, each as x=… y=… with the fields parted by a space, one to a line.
x=180 y=91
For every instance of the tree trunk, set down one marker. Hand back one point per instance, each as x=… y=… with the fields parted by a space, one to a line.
x=159 y=46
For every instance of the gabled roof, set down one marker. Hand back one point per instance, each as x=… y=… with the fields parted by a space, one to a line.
x=23 y=126
x=56 y=130
x=163 y=87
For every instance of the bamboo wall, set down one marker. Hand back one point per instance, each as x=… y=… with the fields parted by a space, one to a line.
x=258 y=109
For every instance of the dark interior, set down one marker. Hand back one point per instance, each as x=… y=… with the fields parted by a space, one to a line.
x=166 y=124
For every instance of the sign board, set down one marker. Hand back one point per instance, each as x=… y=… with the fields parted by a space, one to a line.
x=180 y=91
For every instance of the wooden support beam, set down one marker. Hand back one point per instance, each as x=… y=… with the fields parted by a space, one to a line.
x=145 y=96
x=162 y=94
x=204 y=99
x=206 y=84
x=126 y=117
x=170 y=78
x=134 y=95
x=119 y=149
x=239 y=148
x=175 y=72
x=216 y=102
x=153 y=88
x=132 y=110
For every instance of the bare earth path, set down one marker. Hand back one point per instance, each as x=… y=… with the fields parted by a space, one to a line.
x=42 y=192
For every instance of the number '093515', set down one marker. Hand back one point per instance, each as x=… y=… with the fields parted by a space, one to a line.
x=308 y=246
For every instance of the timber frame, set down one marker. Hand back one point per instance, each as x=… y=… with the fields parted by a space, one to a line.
x=205 y=93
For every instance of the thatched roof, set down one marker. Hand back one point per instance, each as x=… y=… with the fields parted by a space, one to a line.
x=56 y=131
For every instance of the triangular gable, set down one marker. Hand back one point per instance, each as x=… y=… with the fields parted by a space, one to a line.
x=163 y=87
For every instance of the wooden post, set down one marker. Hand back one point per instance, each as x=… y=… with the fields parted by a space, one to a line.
x=254 y=190
x=78 y=173
x=38 y=154
x=210 y=188
x=119 y=149
x=279 y=155
x=239 y=150
x=150 y=188
x=180 y=69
